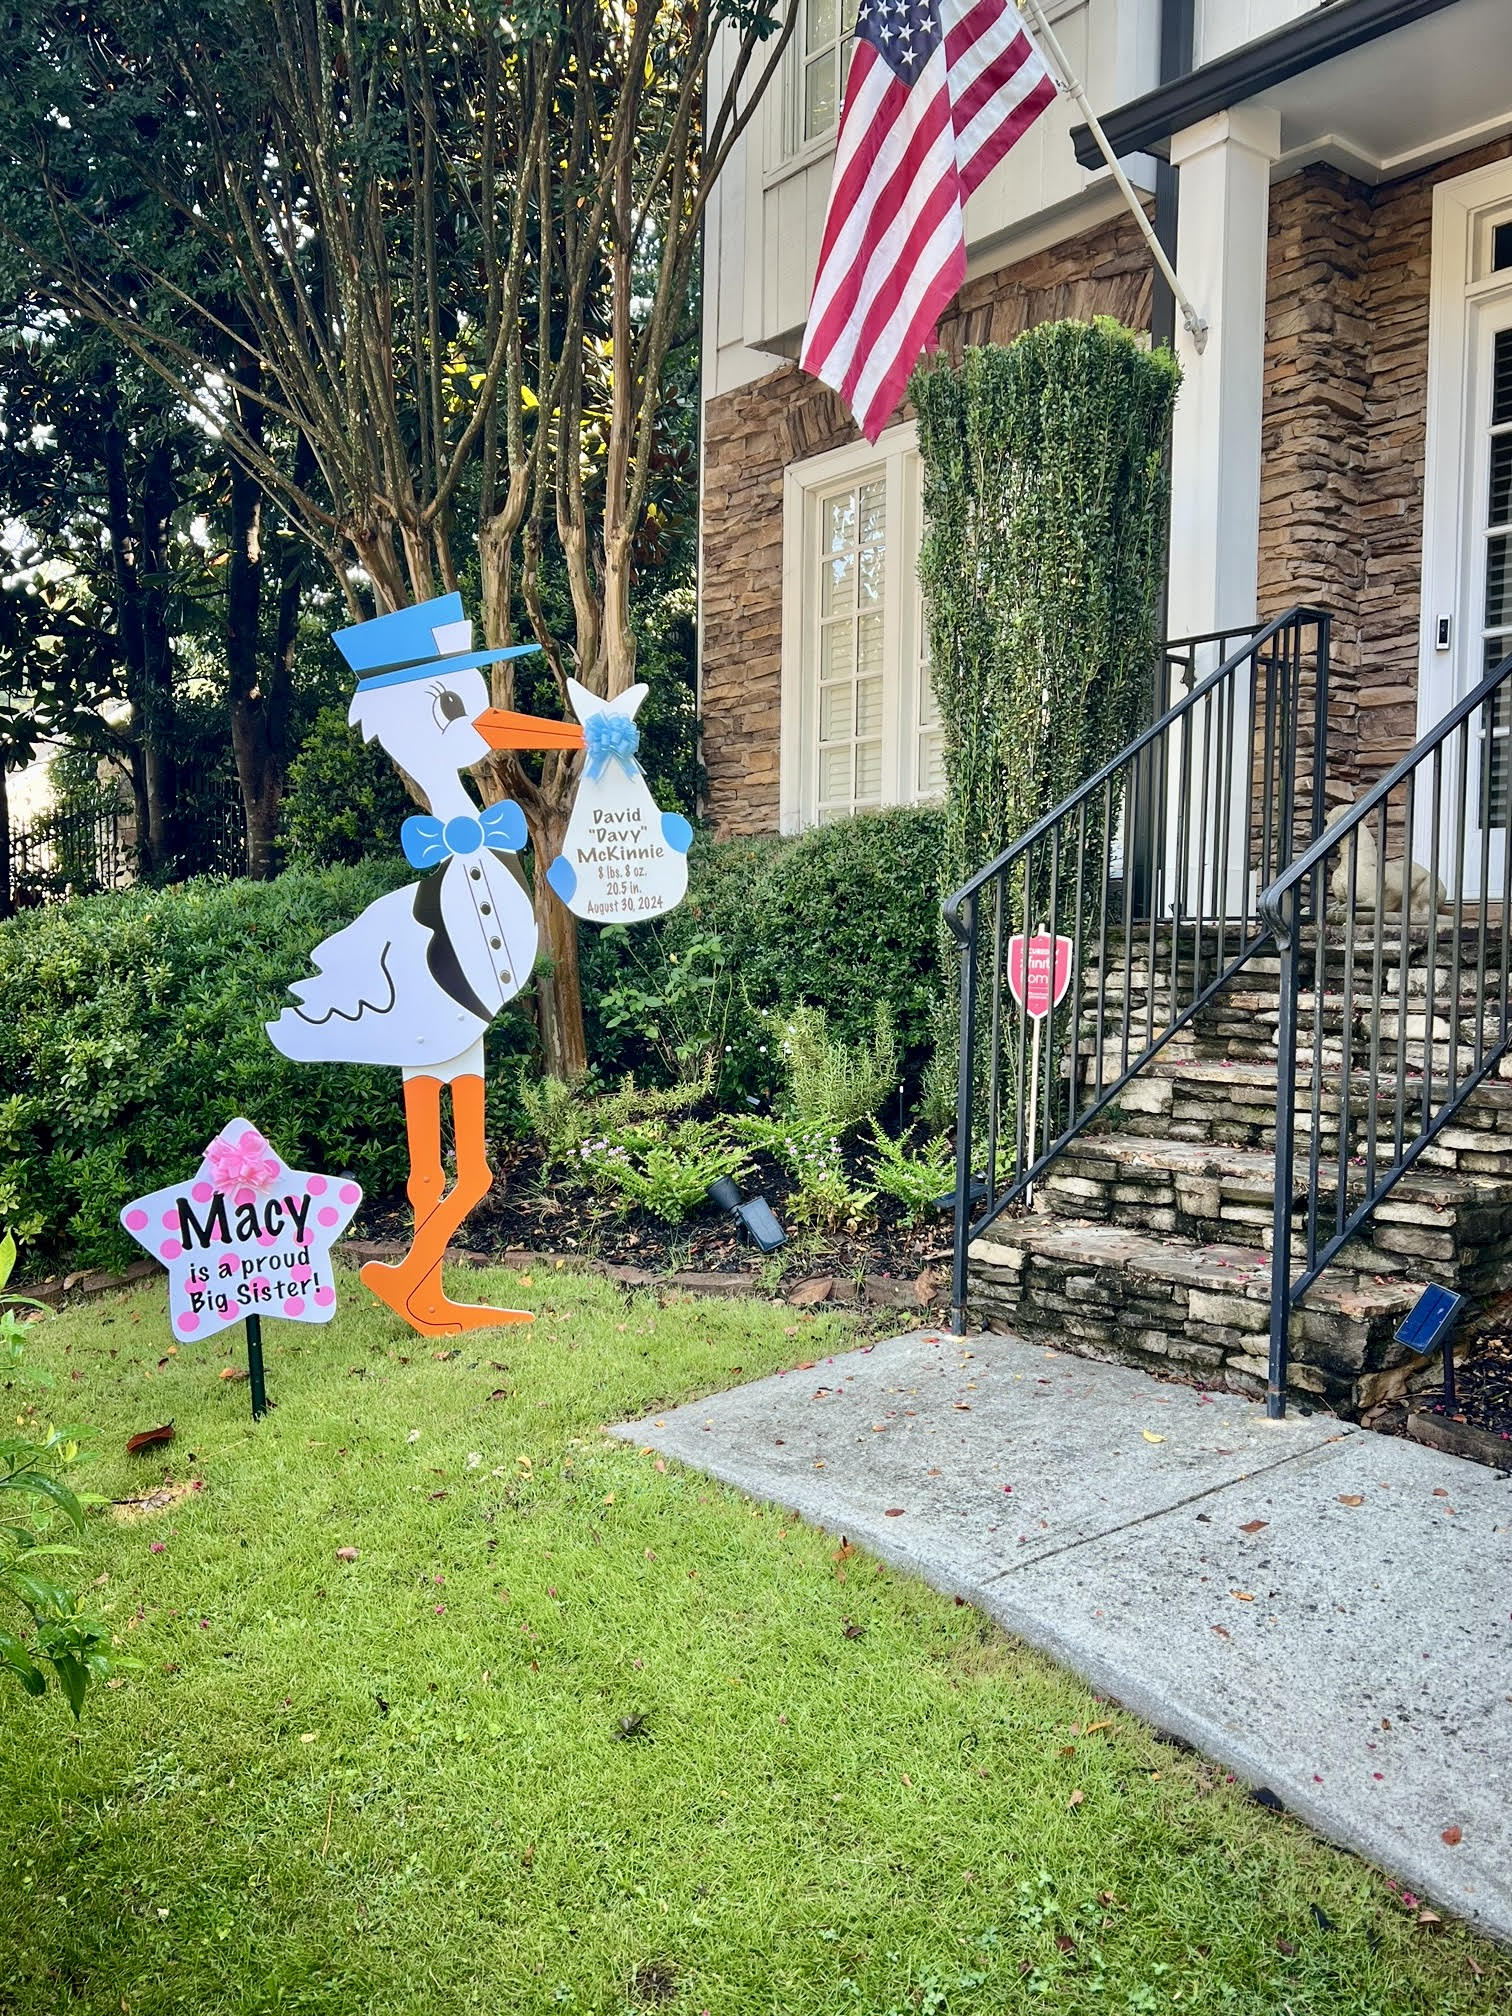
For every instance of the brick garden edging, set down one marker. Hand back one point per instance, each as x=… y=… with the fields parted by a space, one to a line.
x=873 y=1291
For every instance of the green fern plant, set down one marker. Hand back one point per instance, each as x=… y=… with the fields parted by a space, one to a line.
x=918 y=1180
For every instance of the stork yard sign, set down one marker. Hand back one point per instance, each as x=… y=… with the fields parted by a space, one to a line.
x=416 y=980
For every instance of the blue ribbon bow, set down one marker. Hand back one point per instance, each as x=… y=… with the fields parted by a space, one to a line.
x=427 y=839
x=610 y=736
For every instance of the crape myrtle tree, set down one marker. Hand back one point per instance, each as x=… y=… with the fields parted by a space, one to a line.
x=447 y=248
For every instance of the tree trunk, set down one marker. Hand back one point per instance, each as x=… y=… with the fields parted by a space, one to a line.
x=157 y=651
x=559 y=987
x=249 y=729
x=7 y=899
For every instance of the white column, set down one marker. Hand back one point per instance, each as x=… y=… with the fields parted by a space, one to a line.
x=1215 y=446
x=1224 y=212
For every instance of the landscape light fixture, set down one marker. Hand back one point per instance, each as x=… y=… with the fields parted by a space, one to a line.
x=1429 y=1326
x=755 y=1219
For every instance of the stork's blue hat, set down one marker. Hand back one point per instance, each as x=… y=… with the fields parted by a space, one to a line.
x=416 y=643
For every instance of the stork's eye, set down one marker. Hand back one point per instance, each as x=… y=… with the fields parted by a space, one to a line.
x=448 y=707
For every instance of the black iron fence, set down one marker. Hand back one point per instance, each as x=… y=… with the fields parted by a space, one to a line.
x=1152 y=871
x=1393 y=1006
x=79 y=851
x=69 y=853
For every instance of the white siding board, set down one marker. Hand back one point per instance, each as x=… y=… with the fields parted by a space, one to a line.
x=1225 y=25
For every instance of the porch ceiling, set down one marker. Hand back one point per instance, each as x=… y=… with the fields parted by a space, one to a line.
x=1433 y=86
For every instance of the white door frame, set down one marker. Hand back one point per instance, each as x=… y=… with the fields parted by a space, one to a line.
x=1454 y=481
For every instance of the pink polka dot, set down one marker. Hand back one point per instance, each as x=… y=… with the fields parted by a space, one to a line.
x=245 y=1196
x=266 y=1239
x=293 y=1305
x=349 y=1193
x=252 y=1143
x=328 y=1215
x=170 y=1249
x=136 y=1221
x=170 y=1220
x=203 y=1192
x=300 y=1273
x=325 y=1297
x=315 y=1186
x=188 y=1321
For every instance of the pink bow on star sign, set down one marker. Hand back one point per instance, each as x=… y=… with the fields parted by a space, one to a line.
x=242 y=1167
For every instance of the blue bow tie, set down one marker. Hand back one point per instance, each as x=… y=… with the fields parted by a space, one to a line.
x=427 y=839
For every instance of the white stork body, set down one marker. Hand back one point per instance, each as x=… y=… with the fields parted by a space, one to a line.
x=415 y=981
x=418 y=977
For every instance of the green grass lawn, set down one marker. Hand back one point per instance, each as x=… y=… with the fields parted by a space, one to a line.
x=402 y=1784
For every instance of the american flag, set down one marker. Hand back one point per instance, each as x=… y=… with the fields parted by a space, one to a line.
x=938 y=92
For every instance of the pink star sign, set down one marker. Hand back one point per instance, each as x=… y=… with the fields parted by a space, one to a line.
x=246 y=1235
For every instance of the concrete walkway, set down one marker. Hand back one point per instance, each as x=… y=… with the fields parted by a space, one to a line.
x=1350 y=1650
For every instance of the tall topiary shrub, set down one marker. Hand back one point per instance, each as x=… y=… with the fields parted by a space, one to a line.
x=1045 y=515
x=1045 y=512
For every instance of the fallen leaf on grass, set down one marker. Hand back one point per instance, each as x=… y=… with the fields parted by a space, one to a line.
x=346 y=1554
x=845 y=1550
x=1285 y=1946
x=234 y=1372
x=1076 y=1797
x=1065 y=1943
x=499 y=1393
x=628 y=1728
x=149 y=1438
x=1451 y=1837
x=809 y=1292
x=1093 y=1727
x=853 y=1630
x=308 y=1737
x=1429 y=1918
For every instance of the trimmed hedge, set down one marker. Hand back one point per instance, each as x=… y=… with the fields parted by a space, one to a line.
x=131 y=1023
x=131 y=1029
x=843 y=916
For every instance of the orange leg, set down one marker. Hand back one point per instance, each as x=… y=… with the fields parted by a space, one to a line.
x=412 y=1288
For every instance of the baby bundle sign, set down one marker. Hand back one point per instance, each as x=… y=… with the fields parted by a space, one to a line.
x=246 y=1235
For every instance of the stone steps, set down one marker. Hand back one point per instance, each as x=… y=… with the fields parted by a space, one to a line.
x=1150 y=1238
x=1203 y=1312
x=1209 y=1099
x=1440 y=1225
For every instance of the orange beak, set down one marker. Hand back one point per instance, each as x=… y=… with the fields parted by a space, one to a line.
x=502 y=730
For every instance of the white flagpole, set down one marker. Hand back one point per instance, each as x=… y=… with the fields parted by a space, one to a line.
x=1071 y=85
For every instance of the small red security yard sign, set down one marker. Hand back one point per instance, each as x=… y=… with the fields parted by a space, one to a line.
x=1039 y=972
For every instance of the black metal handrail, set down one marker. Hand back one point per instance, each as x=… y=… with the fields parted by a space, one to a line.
x=1212 y=802
x=1383 y=980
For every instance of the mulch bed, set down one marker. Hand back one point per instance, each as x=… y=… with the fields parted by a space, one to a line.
x=1479 y=1424
x=887 y=1262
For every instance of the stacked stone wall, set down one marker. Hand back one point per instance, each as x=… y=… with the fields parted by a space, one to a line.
x=1344 y=440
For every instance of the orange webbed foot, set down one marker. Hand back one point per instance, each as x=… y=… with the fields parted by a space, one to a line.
x=434 y=1314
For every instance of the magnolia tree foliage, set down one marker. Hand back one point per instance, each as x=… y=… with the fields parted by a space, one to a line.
x=445 y=250
x=1045 y=516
